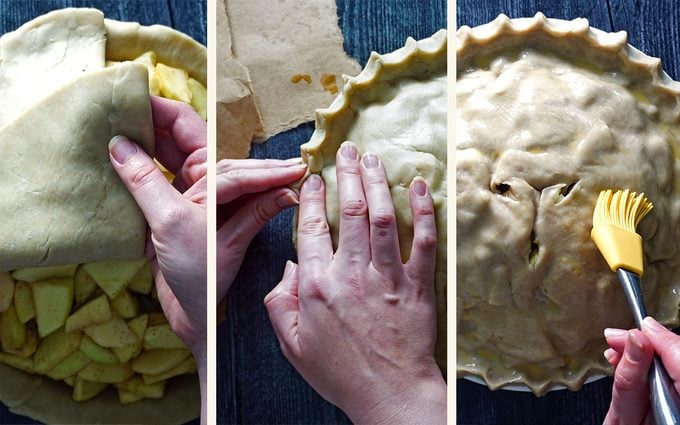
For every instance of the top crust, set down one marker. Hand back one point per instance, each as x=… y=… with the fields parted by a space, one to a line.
x=549 y=113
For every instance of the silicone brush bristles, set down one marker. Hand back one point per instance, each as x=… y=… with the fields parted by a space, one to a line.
x=615 y=218
x=624 y=209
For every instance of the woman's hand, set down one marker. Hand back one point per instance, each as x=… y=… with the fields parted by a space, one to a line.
x=176 y=214
x=357 y=324
x=631 y=352
x=249 y=193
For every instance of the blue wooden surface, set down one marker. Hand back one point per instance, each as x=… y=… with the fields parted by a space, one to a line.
x=256 y=385
x=652 y=27
x=188 y=16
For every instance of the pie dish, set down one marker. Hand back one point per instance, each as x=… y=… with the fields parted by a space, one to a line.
x=61 y=200
x=396 y=108
x=550 y=112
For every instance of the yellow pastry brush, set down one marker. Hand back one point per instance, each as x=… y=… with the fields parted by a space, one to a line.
x=616 y=216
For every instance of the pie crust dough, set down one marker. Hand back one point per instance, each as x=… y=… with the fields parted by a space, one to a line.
x=55 y=149
x=396 y=108
x=549 y=113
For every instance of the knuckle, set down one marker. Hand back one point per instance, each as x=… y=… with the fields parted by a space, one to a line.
x=384 y=219
x=260 y=214
x=144 y=174
x=354 y=208
x=423 y=210
x=313 y=225
x=625 y=382
x=171 y=220
x=426 y=243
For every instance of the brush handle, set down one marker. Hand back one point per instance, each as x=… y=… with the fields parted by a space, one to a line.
x=665 y=400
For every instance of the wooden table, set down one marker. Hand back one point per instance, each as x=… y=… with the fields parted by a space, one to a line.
x=256 y=385
x=652 y=28
x=188 y=16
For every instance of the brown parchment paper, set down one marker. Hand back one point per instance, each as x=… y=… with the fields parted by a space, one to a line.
x=238 y=120
x=279 y=40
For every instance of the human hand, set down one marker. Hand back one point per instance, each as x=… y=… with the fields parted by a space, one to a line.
x=176 y=214
x=631 y=352
x=249 y=193
x=357 y=324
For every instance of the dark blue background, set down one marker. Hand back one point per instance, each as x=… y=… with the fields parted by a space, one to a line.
x=188 y=16
x=652 y=28
x=256 y=385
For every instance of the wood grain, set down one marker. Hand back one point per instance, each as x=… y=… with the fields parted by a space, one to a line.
x=652 y=28
x=188 y=16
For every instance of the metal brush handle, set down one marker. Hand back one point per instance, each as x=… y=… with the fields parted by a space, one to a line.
x=665 y=400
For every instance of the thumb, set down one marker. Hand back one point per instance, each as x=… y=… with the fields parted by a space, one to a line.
x=283 y=308
x=145 y=182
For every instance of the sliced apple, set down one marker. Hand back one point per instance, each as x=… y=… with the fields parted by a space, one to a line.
x=72 y=364
x=162 y=336
x=143 y=280
x=31 y=344
x=113 y=276
x=53 y=300
x=12 y=331
x=155 y=362
x=55 y=348
x=114 y=333
x=125 y=304
x=36 y=274
x=95 y=312
x=84 y=286
x=199 y=98
x=126 y=397
x=96 y=352
x=137 y=325
x=137 y=386
x=85 y=390
x=187 y=366
x=173 y=83
x=17 y=362
x=106 y=373
x=148 y=59
x=23 y=301
x=6 y=291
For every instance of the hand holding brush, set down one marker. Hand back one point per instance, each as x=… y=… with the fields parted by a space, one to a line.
x=614 y=221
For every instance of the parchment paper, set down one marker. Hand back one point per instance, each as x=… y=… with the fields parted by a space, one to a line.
x=238 y=120
x=283 y=41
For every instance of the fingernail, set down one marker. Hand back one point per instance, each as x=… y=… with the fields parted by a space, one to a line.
x=286 y=200
x=348 y=150
x=652 y=325
x=313 y=182
x=609 y=354
x=634 y=348
x=290 y=267
x=121 y=149
x=370 y=161
x=419 y=186
x=612 y=332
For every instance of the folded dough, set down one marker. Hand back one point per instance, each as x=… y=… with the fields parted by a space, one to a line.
x=60 y=199
x=46 y=53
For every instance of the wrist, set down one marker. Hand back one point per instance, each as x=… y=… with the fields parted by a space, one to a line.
x=200 y=352
x=409 y=401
